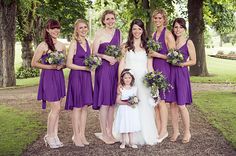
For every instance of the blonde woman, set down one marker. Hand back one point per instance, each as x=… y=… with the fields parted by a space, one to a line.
x=165 y=37
x=79 y=92
x=106 y=75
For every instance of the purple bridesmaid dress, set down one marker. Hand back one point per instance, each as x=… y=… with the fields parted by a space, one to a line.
x=80 y=91
x=106 y=77
x=161 y=64
x=51 y=85
x=180 y=80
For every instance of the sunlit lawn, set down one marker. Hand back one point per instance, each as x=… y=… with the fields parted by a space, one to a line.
x=220 y=110
x=221 y=70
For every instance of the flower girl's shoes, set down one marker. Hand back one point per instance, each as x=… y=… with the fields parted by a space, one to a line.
x=133 y=146
x=159 y=140
x=51 y=141
x=122 y=146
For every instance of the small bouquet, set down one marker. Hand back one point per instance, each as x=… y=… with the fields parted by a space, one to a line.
x=113 y=50
x=133 y=100
x=56 y=57
x=153 y=46
x=156 y=80
x=175 y=57
x=92 y=62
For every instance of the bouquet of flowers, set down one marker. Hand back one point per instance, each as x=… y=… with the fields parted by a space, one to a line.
x=92 y=62
x=175 y=57
x=56 y=57
x=156 y=80
x=153 y=46
x=133 y=100
x=113 y=50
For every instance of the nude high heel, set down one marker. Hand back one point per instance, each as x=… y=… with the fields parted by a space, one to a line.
x=50 y=141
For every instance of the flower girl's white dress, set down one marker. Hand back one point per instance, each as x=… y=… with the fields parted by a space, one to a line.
x=127 y=117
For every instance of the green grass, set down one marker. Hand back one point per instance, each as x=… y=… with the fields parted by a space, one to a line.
x=18 y=129
x=222 y=71
x=220 y=109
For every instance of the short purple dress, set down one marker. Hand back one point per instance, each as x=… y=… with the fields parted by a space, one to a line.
x=180 y=80
x=161 y=64
x=106 y=77
x=80 y=91
x=51 y=85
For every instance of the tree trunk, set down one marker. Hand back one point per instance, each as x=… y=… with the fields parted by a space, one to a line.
x=27 y=51
x=221 y=40
x=196 y=34
x=7 y=45
x=146 y=7
x=38 y=31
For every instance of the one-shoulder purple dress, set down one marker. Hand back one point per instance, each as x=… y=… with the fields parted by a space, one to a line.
x=161 y=64
x=180 y=80
x=106 y=77
x=51 y=84
x=80 y=91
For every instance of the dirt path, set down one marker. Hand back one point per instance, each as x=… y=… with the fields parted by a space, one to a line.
x=206 y=140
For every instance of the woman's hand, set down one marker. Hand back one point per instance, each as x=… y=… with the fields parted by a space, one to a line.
x=111 y=60
x=59 y=67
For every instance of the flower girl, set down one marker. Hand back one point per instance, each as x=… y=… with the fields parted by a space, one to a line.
x=127 y=120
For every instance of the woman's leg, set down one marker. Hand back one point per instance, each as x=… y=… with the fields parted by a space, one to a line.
x=83 y=120
x=164 y=119
x=76 y=115
x=103 y=123
x=158 y=119
x=110 y=120
x=175 y=121
x=123 y=139
x=186 y=121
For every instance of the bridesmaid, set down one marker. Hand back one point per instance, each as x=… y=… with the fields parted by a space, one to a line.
x=52 y=83
x=165 y=37
x=106 y=76
x=180 y=80
x=79 y=92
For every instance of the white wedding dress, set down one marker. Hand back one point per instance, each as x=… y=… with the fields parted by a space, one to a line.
x=137 y=62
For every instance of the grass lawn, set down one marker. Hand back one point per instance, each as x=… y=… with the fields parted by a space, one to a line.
x=18 y=129
x=222 y=71
x=220 y=110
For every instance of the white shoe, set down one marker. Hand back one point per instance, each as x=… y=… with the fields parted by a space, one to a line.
x=58 y=142
x=50 y=141
x=122 y=146
x=159 y=140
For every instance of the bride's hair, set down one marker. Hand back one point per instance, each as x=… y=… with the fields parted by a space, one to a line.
x=130 y=41
x=126 y=71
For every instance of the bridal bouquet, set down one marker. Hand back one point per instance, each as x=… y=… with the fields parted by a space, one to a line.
x=175 y=57
x=133 y=100
x=153 y=46
x=56 y=57
x=156 y=80
x=92 y=62
x=113 y=50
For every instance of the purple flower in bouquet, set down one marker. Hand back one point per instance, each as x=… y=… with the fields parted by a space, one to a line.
x=56 y=57
x=175 y=57
x=153 y=46
x=92 y=62
x=113 y=50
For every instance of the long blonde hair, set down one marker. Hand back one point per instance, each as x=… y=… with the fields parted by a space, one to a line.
x=163 y=13
x=75 y=34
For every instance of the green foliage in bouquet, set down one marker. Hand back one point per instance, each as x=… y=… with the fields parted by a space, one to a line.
x=153 y=46
x=92 y=62
x=133 y=100
x=175 y=57
x=114 y=51
x=56 y=57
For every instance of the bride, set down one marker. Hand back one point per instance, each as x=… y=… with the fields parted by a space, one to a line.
x=135 y=58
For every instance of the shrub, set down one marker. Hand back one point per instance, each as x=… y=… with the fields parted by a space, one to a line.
x=220 y=52
x=232 y=53
x=23 y=73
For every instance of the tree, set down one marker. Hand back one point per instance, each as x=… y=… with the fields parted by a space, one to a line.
x=7 y=42
x=196 y=34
